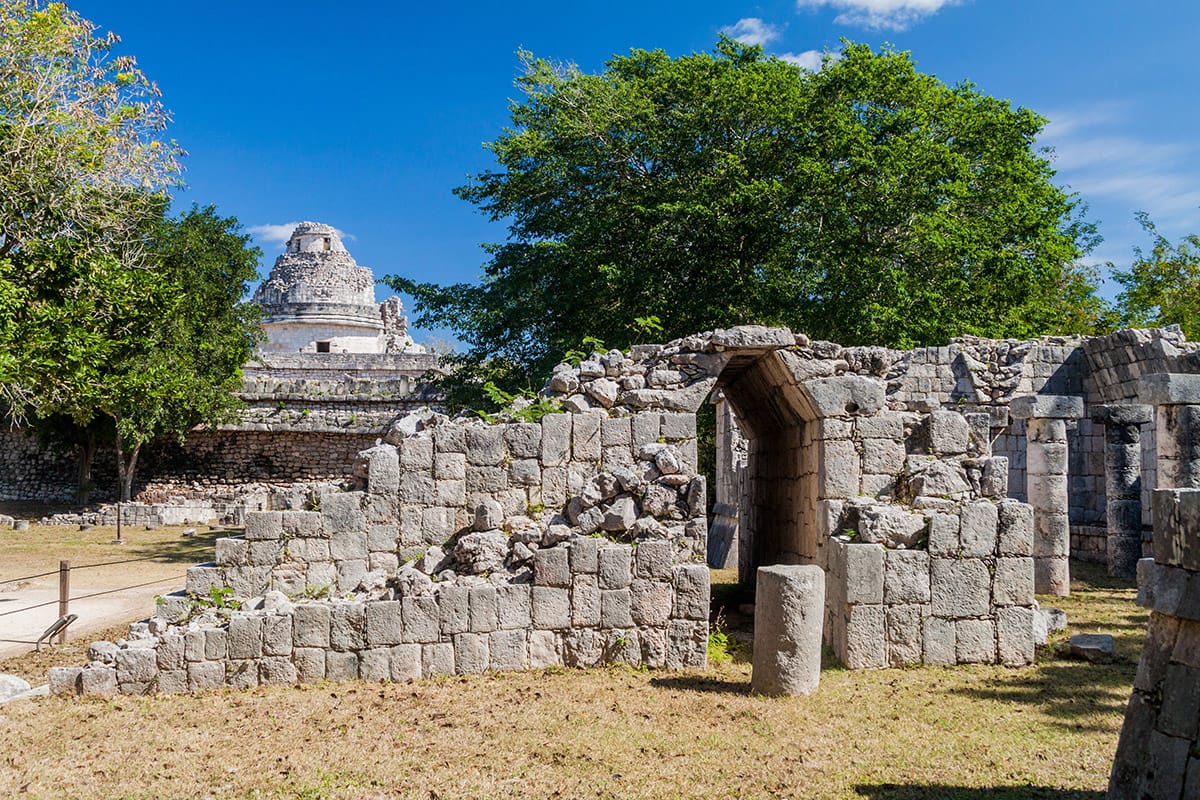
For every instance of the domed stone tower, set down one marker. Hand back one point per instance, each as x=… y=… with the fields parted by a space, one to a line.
x=319 y=300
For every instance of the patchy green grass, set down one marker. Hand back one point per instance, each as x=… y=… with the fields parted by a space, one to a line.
x=965 y=733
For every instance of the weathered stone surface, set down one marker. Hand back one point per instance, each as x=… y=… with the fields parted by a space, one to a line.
x=787 y=629
x=960 y=587
x=940 y=643
x=614 y=566
x=1169 y=389
x=906 y=577
x=1012 y=584
x=1046 y=406
x=866 y=637
x=471 y=653
x=948 y=432
x=864 y=573
x=551 y=608
x=843 y=395
x=552 y=567
x=977 y=535
x=691 y=601
x=975 y=641
x=890 y=526
x=1097 y=648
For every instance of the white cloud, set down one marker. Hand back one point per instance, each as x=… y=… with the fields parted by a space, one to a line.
x=810 y=60
x=894 y=15
x=751 y=31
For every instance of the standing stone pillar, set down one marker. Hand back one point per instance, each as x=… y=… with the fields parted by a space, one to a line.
x=789 y=604
x=1177 y=433
x=1123 y=484
x=1046 y=486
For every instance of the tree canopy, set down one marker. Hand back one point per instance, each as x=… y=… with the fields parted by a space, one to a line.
x=866 y=202
x=1162 y=285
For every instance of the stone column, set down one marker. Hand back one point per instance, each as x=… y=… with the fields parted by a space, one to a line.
x=1046 y=486
x=1177 y=434
x=1123 y=484
x=789 y=605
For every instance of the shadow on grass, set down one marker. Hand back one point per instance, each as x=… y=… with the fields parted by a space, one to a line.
x=893 y=791
x=701 y=684
x=192 y=550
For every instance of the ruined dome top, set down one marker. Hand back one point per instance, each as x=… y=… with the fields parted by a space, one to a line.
x=316 y=268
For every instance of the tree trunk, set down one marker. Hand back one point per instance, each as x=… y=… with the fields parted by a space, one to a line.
x=87 y=454
x=126 y=465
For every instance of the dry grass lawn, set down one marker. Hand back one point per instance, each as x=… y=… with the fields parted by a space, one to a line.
x=1047 y=731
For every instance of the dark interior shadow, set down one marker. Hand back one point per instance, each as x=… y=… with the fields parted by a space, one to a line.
x=702 y=684
x=895 y=791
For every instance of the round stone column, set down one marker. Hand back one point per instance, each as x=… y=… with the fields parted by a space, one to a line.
x=1046 y=486
x=789 y=607
x=1123 y=484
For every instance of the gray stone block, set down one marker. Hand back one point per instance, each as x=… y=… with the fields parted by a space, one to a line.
x=437 y=658
x=544 y=650
x=508 y=650
x=421 y=623
x=348 y=626
x=341 y=666
x=1046 y=406
x=485 y=610
x=949 y=433
x=651 y=602
x=551 y=608
x=277 y=635
x=906 y=577
x=311 y=625
x=245 y=636
x=277 y=671
x=515 y=606
x=385 y=623
x=615 y=611
x=201 y=675
x=905 y=632
x=170 y=650
x=614 y=561
x=230 y=551
x=1015 y=636
x=309 y=663
x=585 y=601
x=788 y=613
x=551 y=567
x=1015 y=526
x=454 y=614
x=691 y=596
x=404 y=662
x=978 y=532
x=1169 y=389
x=347 y=545
x=865 y=644
x=241 y=674
x=216 y=644
x=1012 y=584
x=975 y=641
x=301 y=524
x=485 y=445
x=263 y=525
x=864 y=573
x=555 y=446
x=342 y=511
x=1052 y=575
x=960 y=587
x=943 y=535
x=582 y=648
x=652 y=559
x=585 y=555
x=374 y=664
x=470 y=653
x=65 y=680
x=687 y=644
x=844 y=395
x=384 y=464
x=172 y=681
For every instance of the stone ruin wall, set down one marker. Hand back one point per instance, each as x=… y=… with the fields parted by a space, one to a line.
x=580 y=539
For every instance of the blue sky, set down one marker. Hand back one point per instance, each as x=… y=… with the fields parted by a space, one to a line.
x=366 y=115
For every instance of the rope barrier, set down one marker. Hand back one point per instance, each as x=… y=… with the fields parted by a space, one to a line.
x=82 y=566
x=86 y=596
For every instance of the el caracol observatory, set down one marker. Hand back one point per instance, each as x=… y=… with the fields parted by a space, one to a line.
x=318 y=299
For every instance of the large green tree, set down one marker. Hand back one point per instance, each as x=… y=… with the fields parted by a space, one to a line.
x=1162 y=285
x=866 y=202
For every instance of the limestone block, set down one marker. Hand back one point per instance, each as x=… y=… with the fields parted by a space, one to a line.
x=651 y=602
x=277 y=670
x=348 y=545
x=975 y=641
x=350 y=574
x=1181 y=707
x=437 y=658
x=1048 y=492
x=839 y=470
x=403 y=662
x=687 y=644
x=421 y=623
x=1015 y=636
x=891 y=526
x=691 y=595
x=551 y=567
x=654 y=647
x=1052 y=535
x=515 y=606
x=216 y=644
x=885 y=425
x=1015 y=526
x=508 y=650
x=1012 y=585
x=342 y=512
x=374 y=664
x=136 y=665
x=247 y=581
x=65 y=680
x=948 y=432
x=960 y=587
x=304 y=524
x=582 y=647
x=450 y=466
x=788 y=613
x=201 y=675
x=263 y=525
x=385 y=624
x=1046 y=406
x=906 y=577
x=615 y=608
x=347 y=626
x=555 y=441
x=341 y=666
x=384 y=464
x=905 y=634
x=993 y=482
x=585 y=555
x=943 y=535
x=174 y=681
x=614 y=566
x=265 y=554
x=309 y=663
x=585 y=436
x=585 y=601
x=418 y=488
x=245 y=635
x=450 y=439
x=311 y=624
x=485 y=445
x=1052 y=575
x=551 y=607
x=204 y=577
x=241 y=674
x=484 y=609
x=978 y=532
x=277 y=635
x=170 y=650
x=864 y=573
x=1169 y=389
x=544 y=650
x=1176 y=527
x=652 y=559
x=471 y=653
x=882 y=456
x=866 y=638
x=454 y=614
x=1049 y=458
x=231 y=551
x=844 y=395
x=939 y=641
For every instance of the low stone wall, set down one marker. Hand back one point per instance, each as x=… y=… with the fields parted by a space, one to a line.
x=1157 y=754
x=961 y=593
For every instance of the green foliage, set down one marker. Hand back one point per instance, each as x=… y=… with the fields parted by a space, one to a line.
x=219 y=597
x=523 y=406
x=720 y=646
x=1162 y=286
x=867 y=203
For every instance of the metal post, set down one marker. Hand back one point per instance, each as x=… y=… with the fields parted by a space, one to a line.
x=64 y=595
x=118 y=540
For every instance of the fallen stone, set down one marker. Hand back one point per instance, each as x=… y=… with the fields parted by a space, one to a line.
x=1094 y=647
x=11 y=686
